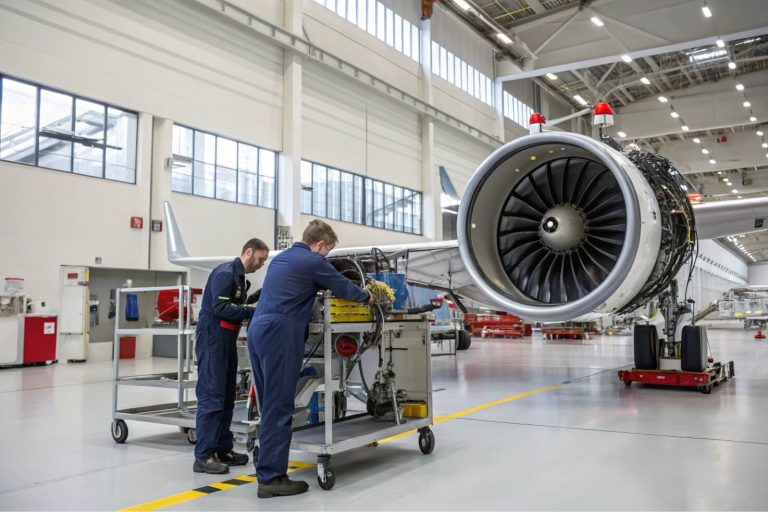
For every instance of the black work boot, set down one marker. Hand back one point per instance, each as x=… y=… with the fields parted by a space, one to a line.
x=212 y=465
x=282 y=486
x=233 y=458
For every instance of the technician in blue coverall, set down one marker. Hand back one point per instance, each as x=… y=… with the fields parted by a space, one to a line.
x=276 y=338
x=225 y=306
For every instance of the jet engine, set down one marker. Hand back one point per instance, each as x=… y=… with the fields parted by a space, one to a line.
x=555 y=226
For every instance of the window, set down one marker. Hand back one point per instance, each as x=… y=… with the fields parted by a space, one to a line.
x=64 y=132
x=208 y=165
x=398 y=33
x=516 y=110
x=415 y=43
x=341 y=195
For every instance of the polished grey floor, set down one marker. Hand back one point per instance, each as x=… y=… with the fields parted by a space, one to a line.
x=590 y=444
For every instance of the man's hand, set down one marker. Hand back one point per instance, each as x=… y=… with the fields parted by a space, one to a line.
x=252 y=299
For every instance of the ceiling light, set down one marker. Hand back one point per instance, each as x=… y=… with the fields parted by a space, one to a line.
x=720 y=43
x=765 y=145
x=706 y=11
x=731 y=65
x=626 y=58
x=504 y=38
x=739 y=87
x=740 y=197
x=719 y=172
x=645 y=81
x=552 y=76
x=752 y=119
x=684 y=127
x=705 y=151
x=697 y=140
x=674 y=114
x=597 y=21
x=663 y=99
x=746 y=104
x=734 y=191
x=759 y=133
x=580 y=99
x=621 y=134
x=712 y=161
x=684 y=187
x=463 y=4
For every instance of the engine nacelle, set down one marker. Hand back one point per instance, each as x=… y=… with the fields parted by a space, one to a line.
x=554 y=226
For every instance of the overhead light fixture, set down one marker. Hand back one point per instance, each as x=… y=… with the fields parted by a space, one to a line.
x=765 y=145
x=752 y=119
x=720 y=43
x=645 y=81
x=504 y=38
x=621 y=134
x=697 y=140
x=720 y=172
x=626 y=58
x=739 y=87
x=734 y=191
x=674 y=114
x=705 y=151
x=463 y=4
x=759 y=133
x=706 y=11
x=663 y=99
x=684 y=127
x=580 y=99
x=597 y=21
x=731 y=65
x=552 y=76
x=712 y=161
x=746 y=104
x=740 y=197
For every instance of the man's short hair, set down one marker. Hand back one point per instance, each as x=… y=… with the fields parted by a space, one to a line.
x=255 y=244
x=318 y=231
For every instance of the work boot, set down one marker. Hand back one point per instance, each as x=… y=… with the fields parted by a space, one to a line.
x=212 y=465
x=282 y=486
x=233 y=458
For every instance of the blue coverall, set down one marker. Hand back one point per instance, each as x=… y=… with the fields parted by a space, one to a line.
x=221 y=314
x=276 y=336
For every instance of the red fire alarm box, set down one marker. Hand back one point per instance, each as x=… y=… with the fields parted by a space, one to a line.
x=137 y=222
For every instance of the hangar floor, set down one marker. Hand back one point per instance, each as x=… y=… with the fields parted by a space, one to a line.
x=588 y=444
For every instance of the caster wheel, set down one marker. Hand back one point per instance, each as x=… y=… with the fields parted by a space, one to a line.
x=191 y=436
x=119 y=431
x=627 y=383
x=706 y=389
x=250 y=444
x=255 y=455
x=183 y=430
x=328 y=482
x=426 y=441
x=339 y=405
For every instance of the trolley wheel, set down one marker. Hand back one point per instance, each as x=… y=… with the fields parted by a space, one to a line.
x=191 y=436
x=250 y=444
x=328 y=480
x=706 y=389
x=426 y=440
x=119 y=431
x=183 y=430
x=627 y=383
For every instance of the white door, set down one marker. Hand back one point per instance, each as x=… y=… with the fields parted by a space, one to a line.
x=73 y=319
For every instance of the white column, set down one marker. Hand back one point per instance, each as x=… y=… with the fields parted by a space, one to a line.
x=498 y=102
x=162 y=155
x=289 y=187
x=430 y=180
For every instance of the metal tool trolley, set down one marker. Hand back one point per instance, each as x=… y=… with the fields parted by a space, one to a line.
x=180 y=413
x=398 y=400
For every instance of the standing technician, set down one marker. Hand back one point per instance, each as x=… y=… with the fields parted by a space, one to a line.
x=224 y=308
x=276 y=338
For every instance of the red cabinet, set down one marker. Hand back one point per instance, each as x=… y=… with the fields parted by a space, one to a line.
x=40 y=338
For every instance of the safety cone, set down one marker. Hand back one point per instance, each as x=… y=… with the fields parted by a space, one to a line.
x=759 y=335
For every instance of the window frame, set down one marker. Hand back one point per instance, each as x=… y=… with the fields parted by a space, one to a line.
x=73 y=139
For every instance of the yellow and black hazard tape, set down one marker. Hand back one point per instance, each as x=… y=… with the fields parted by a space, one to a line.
x=294 y=466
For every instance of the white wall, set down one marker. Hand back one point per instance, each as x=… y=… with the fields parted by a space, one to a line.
x=459 y=156
x=758 y=274
x=717 y=270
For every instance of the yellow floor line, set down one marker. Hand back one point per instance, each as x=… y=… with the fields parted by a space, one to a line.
x=294 y=466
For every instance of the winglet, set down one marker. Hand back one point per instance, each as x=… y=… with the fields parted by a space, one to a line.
x=176 y=248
